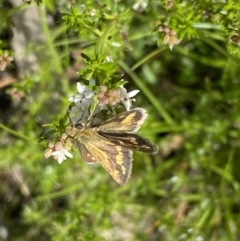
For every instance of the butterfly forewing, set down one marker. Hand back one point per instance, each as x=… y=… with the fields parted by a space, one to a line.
x=128 y=121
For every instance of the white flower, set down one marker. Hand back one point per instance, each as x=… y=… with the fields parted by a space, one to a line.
x=79 y=114
x=112 y=97
x=83 y=99
x=105 y=98
x=140 y=5
x=127 y=97
x=84 y=95
x=60 y=154
x=60 y=149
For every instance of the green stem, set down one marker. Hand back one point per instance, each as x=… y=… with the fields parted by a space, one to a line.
x=49 y=38
x=7 y=129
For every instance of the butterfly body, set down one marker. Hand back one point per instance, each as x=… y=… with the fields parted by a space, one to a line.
x=111 y=142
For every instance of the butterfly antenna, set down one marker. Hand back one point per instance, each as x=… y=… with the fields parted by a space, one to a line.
x=68 y=113
x=91 y=113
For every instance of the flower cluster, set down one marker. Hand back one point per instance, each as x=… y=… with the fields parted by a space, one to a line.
x=84 y=96
x=5 y=59
x=82 y=101
x=205 y=14
x=169 y=4
x=60 y=149
x=111 y=97
x=170 y=36
x=16 y=94
x=235 y=39
x=101 y=98
x=114 y=96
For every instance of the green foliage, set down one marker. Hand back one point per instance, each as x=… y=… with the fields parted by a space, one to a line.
x=101 y=71
x=191 y=189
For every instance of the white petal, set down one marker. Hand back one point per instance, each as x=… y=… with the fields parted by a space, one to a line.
x=81 y=88
x=132 y=93
x=60 y=159
x=85 y=103
x=127 y=104
x=58 y=156
x=123 y=91
x=68 y=154
x=76 y=98
x=88 y=94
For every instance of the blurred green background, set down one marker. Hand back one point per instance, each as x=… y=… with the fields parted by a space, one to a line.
x=190 y=190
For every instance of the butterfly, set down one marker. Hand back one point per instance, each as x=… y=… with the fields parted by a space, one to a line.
x=111 y=142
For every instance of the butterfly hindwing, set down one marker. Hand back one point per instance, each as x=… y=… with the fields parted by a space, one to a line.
x=131 y=141
x=85 y=154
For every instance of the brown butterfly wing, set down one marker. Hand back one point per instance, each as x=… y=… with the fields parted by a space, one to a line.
x=128 y=121
x=85 y=154
x=131 y=141
x=117 y=160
